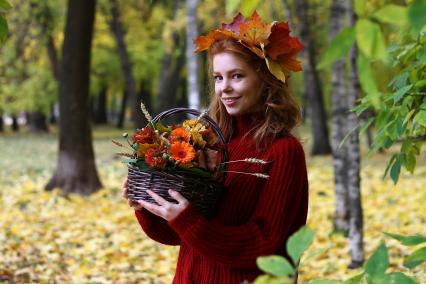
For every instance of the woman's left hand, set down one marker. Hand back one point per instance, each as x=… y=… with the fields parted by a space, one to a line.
x=165 y=209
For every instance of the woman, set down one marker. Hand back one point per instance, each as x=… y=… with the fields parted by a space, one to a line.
x=252 y=106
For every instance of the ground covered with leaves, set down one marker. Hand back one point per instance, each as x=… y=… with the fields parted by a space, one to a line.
x=48 y=238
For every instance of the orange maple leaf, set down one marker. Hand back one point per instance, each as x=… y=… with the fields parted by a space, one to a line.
x=254 y=31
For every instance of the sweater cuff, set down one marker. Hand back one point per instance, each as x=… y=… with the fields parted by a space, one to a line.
x=184 y=220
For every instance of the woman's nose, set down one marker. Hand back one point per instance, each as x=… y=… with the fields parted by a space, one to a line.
x=226 y=86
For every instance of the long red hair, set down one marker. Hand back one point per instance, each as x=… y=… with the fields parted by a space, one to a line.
x=282 y=112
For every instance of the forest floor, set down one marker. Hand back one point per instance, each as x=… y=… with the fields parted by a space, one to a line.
x=47 y=238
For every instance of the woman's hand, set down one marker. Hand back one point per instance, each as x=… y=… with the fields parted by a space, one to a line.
x=131 y=203
x=165 y=209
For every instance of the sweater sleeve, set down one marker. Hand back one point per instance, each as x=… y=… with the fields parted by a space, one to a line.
x=157 y=228
x=280 y=210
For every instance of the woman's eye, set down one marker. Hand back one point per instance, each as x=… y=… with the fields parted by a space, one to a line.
x=237 y=76
x=217 y=78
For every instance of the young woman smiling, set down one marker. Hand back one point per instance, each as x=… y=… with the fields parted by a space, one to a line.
x=256 y=113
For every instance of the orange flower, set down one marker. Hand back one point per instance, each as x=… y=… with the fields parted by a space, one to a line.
x=182 y=152
x=154 y=158
x=180 y=134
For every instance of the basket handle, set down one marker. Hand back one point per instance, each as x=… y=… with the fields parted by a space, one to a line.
x=212 y=123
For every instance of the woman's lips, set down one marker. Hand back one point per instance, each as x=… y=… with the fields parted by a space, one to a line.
x=230 y=101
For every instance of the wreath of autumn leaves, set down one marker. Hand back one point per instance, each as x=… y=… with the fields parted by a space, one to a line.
x=271 y=42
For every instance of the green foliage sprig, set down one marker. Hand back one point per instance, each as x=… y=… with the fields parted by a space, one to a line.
x=279 y=270
x=401 y=106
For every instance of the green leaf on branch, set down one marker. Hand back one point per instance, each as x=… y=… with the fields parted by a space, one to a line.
x=407 y=240
x=368 y=83
x=4 y=30
x=299 y=242
x=416 y=14
x=420 y=118
x=378 y=263
x=370 y=40
x=275 y=265
x=355 y=279
x=401 y=92
x=400 y=278
x=416 y=258
x=396 y=169
x=392 y=14
x=360 y=7
x=338 y=48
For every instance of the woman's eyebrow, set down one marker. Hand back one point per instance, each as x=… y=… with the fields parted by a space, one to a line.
x=230 y=71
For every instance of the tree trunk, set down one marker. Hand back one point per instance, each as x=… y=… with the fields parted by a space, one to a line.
x=354 y=180
x=37 y=122
x=122 y=112
x=145 y=94
x=169 y=83
x=313 y=88
x=15 y=125
x=101 y=107
x=338 y=19
x=1 y=121
x=117 y=29
x=76 y=169
x=191 y=57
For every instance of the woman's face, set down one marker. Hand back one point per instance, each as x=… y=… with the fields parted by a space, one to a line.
x=236 y=84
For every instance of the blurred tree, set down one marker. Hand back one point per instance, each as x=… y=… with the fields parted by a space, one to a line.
x=191 y=57
x=313 y=87
x=173 y=59
x=76 y=168
x=118 y=31
x=356 y=235
x=339 y=20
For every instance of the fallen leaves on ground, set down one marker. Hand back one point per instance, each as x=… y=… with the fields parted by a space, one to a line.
x=48 y=238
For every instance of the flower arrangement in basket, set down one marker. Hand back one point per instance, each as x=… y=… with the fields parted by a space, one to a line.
x=183 y=157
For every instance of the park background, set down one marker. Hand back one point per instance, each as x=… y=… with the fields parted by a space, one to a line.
x=72 y=75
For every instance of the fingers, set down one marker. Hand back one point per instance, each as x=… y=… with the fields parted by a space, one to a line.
x=178 y=197
x=160 y=200
x=151 y=207
x=134 y=204
x=125 y=189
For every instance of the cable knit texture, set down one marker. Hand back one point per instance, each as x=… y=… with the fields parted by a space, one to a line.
x=255 y=217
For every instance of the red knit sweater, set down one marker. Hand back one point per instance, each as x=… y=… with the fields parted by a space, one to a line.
x=255 y=217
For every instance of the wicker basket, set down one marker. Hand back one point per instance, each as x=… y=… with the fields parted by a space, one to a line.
x=203 y=192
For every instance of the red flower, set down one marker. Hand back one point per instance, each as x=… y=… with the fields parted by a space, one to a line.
x=154 y=158
x=145 y=135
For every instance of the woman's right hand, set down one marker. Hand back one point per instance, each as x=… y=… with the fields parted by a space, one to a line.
x=124 y=193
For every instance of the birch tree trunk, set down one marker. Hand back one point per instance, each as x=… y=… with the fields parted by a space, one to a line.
x=354 y=179
x=338 y=20
x=191 y=57
x=76 y=169
x=313 y=88
x=117 y=29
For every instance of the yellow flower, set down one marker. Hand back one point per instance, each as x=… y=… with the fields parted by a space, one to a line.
x=142 y=148
x=197 y=139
